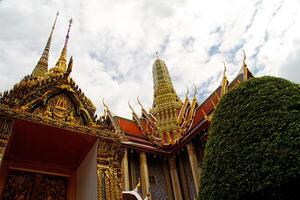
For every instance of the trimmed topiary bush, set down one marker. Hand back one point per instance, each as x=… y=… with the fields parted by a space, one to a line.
x=253 y=147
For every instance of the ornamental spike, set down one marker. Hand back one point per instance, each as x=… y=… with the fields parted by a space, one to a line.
x=61 y=63
x=42 y=66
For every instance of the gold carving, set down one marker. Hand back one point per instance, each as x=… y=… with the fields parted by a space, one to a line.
x=60 y=108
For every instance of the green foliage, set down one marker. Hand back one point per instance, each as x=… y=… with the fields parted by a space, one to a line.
x=253 y=147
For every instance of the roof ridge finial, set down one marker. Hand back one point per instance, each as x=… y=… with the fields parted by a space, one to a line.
x=61 y=63
x=156 y=53
x=138 y=100
x=244 y=68
x=130 y=106
x=224 y=82
x=225 y=68
x=187 y=92
x=195 y=90
x=244 y=58
x=42 y=65
x=104 y=104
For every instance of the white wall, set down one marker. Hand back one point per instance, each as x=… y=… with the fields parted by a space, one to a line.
x=87 y=176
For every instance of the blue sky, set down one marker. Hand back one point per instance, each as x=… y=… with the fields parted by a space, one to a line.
x=114 y=43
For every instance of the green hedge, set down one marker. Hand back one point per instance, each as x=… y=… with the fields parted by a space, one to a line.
x=253 y=147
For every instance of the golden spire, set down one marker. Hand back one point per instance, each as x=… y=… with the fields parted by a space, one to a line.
x=42 y=66
x=224 y=81
x=166 y=103
x=61 y=64
x=164 y=94
x=244 y=69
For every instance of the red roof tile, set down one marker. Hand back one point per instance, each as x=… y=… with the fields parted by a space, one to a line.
x=129 y=127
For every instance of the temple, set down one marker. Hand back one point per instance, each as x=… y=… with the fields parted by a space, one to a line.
x=54 y=146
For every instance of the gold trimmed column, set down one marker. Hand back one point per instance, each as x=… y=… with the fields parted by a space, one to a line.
x=125 y=171
x=144 y=174
x=194 y=165
x=174 y=178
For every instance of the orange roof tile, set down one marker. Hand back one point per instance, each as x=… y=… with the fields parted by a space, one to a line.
x=129 y=127
x=207 y=106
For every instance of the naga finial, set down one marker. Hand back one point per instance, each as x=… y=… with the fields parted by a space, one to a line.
x=225 y=66
x=130 y=106
x=70 y=67
x=103 y=102
x=244 y=58
x=138 y=100
x=187 y=92
x=195 y=90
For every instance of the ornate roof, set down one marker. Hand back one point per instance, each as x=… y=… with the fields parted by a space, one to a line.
x=191 y=117
x=53 y=97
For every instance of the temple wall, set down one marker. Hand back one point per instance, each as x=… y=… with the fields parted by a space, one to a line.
x=87 y=176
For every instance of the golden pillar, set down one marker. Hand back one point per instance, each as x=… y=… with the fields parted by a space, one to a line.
x=194 y=165
x=144 y=174
x=174 y=178
x=125 y=171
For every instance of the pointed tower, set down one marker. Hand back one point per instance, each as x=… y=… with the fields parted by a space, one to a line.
x=166 y=103
x=61 y=64
x=42 y=66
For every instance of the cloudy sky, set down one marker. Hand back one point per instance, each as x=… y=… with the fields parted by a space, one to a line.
x=114 y=43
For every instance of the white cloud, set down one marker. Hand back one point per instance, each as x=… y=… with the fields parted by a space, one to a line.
x=114 y=43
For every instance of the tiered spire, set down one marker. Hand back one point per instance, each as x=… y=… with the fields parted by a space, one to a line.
x=164 y=94
x=166 y=103
x=42 y=66
x=61 y=64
